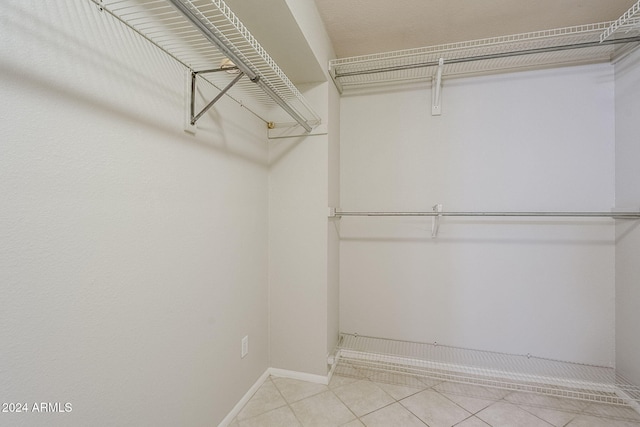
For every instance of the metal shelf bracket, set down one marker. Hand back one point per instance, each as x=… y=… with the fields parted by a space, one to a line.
x=436 y=90
x=435 y=220
x=213 y=35
x=194 y=75
x=202 y=35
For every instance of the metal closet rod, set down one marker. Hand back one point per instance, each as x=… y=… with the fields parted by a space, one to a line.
x=622 y=215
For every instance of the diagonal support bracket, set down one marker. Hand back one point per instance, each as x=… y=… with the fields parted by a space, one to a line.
x=436 y=91
x=435 y=220
x=194 y=74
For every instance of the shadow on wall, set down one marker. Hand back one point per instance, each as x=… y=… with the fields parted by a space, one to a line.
x=88 y=73
x=625 y=228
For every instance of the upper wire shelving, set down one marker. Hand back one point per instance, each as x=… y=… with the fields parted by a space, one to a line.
x=204 y=36
x=628 y=21
x=557 y=47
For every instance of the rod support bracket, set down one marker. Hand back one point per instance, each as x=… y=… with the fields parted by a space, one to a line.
x=436 y=90
x=435 y=220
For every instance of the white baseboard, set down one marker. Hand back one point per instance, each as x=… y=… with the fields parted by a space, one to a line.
x=295 y=375
x=281 y=373
x=248 y=395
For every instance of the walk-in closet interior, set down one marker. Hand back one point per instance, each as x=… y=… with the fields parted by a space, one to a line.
x=200 y=194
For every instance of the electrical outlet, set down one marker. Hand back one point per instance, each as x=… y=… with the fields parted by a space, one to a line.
x=245 y=346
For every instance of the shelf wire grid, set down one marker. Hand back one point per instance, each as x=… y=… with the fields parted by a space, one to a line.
x=557 y=47
x=356 y=354
x=626 y=20
x=166 y=27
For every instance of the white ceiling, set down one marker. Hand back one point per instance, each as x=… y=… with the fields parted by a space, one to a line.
x=359 y=27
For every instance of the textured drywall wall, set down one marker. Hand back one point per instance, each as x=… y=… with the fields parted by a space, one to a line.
x=303 y=246
x=298 y=254
x=333 y=290
x=529 y=141
x=628 y=232
x=133 y=256
x=298 y=247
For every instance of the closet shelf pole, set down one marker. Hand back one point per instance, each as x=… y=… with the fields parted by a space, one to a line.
x=614 y=215
x=213 y=38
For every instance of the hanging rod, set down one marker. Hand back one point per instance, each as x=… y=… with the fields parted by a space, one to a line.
x=614 y=215
x=488 y=57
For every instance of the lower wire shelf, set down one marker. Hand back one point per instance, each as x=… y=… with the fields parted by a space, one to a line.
x=356 y=354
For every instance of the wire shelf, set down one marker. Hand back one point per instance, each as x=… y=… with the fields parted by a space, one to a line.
x=558 y=47
x=627 y=21
x=526 y=373
x=165 y=26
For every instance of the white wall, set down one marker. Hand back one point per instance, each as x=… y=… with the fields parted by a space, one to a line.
x=298 y=254
x=133 y=257
x=333 y=235
x=628 y=232
x=303 y=272
x=529 y=141
x=303 y=245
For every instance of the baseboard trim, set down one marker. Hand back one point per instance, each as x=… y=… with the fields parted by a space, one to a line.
x=281 y=373
x=295 y=375
x=247 y=396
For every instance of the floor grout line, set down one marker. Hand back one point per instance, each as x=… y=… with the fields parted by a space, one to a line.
x=376 y=381
x=285 y=400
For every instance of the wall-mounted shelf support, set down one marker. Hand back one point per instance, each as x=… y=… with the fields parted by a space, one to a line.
x=436 y=90
x=435 y=220
x=193 y=116
x=212 y=34
x=202 y=34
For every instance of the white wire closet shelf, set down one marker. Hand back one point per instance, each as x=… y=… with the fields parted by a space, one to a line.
x=358 y=356
x=206 y=36
x=628 y=20
x=540 y=49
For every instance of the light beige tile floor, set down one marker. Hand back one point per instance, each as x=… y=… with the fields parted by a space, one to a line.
x=387 y=400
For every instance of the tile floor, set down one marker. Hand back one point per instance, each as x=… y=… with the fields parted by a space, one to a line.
x=387 y=400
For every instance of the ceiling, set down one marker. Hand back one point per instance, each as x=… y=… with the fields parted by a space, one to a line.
x=360 y=27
